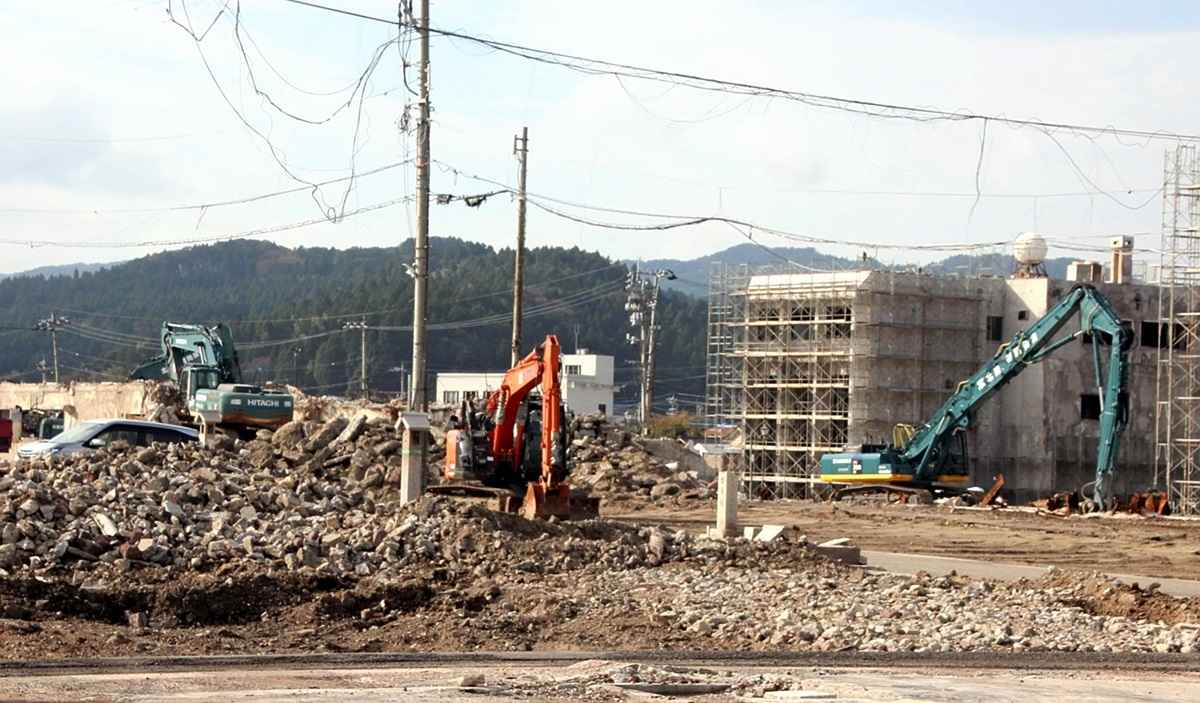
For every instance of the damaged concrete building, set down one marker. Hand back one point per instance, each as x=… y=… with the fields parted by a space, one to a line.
x=806 y=364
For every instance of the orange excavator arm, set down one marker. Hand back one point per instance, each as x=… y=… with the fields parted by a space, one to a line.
x=553 y=460
x=503 y=403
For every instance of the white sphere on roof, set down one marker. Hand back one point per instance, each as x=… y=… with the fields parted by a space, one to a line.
x=1030 y=248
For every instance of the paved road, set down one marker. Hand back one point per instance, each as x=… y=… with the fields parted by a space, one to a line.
x=939 y=566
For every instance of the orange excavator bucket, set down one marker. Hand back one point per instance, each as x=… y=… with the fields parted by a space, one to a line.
x=542 y=502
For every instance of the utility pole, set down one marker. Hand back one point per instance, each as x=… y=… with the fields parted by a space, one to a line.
x=642 y=306
x=296 y=365
x=51 y=325
x=421 y=246
x=521 y=149
x=362 y=374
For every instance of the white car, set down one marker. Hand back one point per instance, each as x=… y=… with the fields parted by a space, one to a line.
x=97 y=434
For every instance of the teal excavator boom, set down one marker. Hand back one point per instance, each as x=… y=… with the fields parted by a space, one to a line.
x=934 y=453
x=203 y=362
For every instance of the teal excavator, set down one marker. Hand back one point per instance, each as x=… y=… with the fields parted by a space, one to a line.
x=203 y=362
x=934 y=454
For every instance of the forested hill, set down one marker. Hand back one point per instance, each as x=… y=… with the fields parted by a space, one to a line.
x=287 y=308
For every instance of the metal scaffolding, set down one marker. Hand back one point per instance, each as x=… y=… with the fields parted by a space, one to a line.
x=1177 y=399
x=779 y=369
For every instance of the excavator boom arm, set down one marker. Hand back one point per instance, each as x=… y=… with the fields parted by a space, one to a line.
x=1028 y=347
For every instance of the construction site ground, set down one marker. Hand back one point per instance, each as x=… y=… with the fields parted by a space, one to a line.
x=440 y=682
x=1119 y=543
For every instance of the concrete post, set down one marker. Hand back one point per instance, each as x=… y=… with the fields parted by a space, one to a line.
x=727 y=485
x=414 y=430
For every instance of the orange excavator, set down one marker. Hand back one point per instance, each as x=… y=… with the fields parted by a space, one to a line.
x=515 y=447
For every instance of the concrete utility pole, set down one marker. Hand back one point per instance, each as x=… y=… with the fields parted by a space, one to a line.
x=642 y=306
x=417 y=400
x=361 y=326
x=51 y=325
x=296 y=365
x=521 y=149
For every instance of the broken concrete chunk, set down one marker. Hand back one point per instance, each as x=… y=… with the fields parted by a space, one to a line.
x=107 y=527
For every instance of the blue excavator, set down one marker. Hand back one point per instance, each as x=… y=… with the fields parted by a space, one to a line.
x=934 y=456
x=203 y=362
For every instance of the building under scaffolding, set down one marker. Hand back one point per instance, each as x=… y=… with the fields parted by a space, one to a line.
x=808 y=363
x=1177 y=411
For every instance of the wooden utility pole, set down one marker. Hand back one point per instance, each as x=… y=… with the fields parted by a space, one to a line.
x=417 y=400
x=521 y=149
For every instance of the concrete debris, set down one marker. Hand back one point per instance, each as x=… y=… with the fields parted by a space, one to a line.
x=612 y=463
x=601 y=680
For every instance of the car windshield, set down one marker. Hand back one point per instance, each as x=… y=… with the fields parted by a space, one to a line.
x=79 y=433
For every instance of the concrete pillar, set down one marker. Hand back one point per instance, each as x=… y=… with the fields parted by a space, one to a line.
x=414 y=430
x=727 y=485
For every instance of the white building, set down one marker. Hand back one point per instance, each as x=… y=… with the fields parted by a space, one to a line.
x=587 y=384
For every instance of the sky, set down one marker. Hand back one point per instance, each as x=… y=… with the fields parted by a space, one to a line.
x=111 y=117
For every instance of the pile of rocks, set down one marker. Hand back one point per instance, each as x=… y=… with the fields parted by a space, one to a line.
x=802 y=609
x=309 y=496
x=282 y=496
x=611 y=462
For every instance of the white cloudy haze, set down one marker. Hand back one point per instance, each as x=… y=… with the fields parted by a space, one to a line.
x=109 y=107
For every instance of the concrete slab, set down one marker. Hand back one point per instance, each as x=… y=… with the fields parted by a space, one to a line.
x=769 y=533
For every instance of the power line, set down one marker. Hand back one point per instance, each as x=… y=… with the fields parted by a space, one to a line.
x=340 y=316
x=360 y=89
x=872 y=108
x=33 y=243
x=209 y=205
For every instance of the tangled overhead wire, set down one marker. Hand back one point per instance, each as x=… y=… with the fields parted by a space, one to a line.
x=358 y=94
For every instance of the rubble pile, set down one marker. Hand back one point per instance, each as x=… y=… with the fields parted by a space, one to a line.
x=611 y=463
x=308 y=496
x=733 y=608
x=284 y=496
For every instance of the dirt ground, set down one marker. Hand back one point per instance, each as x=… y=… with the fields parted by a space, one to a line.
x=570 y=683
x=1162 y=547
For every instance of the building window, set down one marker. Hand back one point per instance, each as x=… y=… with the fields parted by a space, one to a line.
x=573 y=370
x=603 y=408
x=995 y=328
x=1089 y=406
x=1022 y=314
x=469 y=395
x=1156 y=334
x=449 y=396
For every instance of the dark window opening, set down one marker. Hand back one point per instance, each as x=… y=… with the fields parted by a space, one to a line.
x=995 y=328
x=1089 y=406
x=1156 y=334
x=1022 y=314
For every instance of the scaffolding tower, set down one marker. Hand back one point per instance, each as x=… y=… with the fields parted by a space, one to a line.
x=1177 y=399
x=779 y=369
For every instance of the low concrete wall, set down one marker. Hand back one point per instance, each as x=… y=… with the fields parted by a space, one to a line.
x=669 y=450
x=79 y=401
